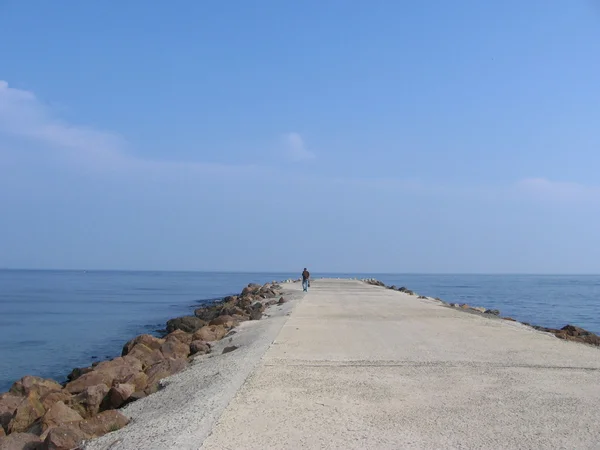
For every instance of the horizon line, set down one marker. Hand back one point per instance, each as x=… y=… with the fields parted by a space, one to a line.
x=265 y=272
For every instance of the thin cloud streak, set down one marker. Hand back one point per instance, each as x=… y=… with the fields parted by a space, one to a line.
x=23 y=115
x=295 y=148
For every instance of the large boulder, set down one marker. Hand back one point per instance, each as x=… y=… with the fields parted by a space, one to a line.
x=64 y=437
x=58 y=414
x=38 y=385
x=173 y=348
x=181 y=336
x=245 y=301
x=103 y=423
x=162 y=370
x=210 y=333
x=21 y=441
x=118 y=396
x=77 y=372
x=199 y=348
x=117 y=365
x=87 y=403
x=52 y=397
x=119 y=369
x=189 y=324
x=251 y=289
x=226 y=320
x=70 y=435
x=146 y=355
x=236 y=313
x=578 y=334
x=207 y=313
x=147 y=340
x=90 y=379
x=139 y=380
x=29 y=410
x=8 y=405
x=256 y=314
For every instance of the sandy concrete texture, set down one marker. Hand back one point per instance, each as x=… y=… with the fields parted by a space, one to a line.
x=360 y=367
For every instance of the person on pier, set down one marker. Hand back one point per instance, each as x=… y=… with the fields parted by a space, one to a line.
x=305 y=280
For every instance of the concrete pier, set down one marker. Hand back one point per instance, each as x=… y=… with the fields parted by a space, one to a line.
x=363 y=367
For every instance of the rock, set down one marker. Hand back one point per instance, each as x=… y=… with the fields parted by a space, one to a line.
x=64 y=437
x=229 y=349
x=2 y=432
x=251 y=289
x=422 y=297
x=28 y=411
x=207 y=313
x=225 y=320
x=464 y=306
x=199 y=348
x=255 y=314
x=90 y=379
x=494 y=312
x=77 y=372
x=137 y=395
x=509 y=319
x=235 y=311
x=282 y=301
x=118 y=396
x=271 y=302
x=245 y=301
x=21 y=441
x=147 y=356
x=53 y=397
x=103 y=423
x=139 y=380
x=162 y=370
x=572 y=330
x=173 y=348
x=210 y=333
x=181 y=336
x=189 y=324
x=58 y=414
x=151 y=342
x=87 y=402
x=38 y=385
x=578 y=334
x=8 y=405
x=119 y=369
x=479 y=309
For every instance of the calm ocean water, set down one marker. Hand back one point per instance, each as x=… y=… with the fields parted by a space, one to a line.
x=52 y=321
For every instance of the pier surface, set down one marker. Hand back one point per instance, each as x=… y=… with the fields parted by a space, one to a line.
x=363 y=367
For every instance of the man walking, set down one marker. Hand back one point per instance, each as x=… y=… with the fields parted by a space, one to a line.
x=305 y=278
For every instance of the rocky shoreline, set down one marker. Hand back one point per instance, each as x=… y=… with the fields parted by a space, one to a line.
x=568 y=332
x=42 y=414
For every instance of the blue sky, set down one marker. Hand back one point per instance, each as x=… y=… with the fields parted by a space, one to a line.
x=343 y=136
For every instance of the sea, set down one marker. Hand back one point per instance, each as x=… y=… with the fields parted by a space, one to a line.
x=53 y=321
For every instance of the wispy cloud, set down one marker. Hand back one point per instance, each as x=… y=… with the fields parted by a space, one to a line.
x=295 y=148
x=23 y=115
x=557 y=190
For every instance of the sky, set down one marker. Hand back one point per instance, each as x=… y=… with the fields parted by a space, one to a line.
x=380 y=136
